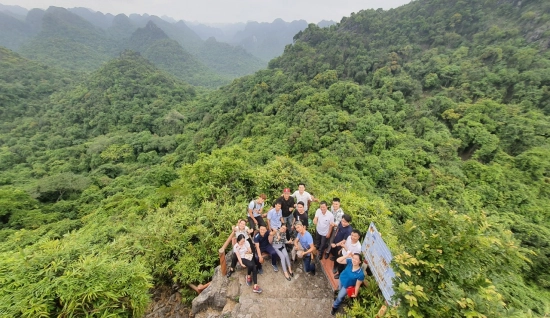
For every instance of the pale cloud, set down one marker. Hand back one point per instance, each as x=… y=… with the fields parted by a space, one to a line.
x=211 y=11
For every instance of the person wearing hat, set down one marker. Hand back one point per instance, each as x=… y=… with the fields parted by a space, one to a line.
x=287 y=206
x=352 y=277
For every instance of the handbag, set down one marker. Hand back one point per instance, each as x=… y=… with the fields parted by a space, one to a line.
x=248 y=256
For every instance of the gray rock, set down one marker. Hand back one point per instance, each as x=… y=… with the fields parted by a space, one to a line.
x=214 y=296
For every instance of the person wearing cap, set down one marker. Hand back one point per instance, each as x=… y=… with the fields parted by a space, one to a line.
x=287 y=206
x=275 y=217
x=304 y=243
x=255 y=209
x=338 y=213
x=323 y=219
x=302 y=195
x=352 y=276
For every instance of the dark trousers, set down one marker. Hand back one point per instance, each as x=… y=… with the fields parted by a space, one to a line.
x=320 y=242
x=268 y=249
x=308 y=264
x=260 y=220
x=252 y=268
x=335 y=251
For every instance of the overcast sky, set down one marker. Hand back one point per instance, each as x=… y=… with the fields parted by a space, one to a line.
x=221 y=11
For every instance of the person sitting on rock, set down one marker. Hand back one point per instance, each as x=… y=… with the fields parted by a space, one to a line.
x=352 y=276
x=262 y=241
x=239 y=229
x=304 y=245
x=255 y=212
x=279 y=241
x=244 y=254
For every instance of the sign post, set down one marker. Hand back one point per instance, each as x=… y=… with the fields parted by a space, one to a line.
x=378 y=257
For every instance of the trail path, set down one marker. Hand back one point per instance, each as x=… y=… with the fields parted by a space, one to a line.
x=303 y=296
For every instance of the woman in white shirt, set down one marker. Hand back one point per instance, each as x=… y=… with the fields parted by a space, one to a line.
x=239 y=229
x=246 y=259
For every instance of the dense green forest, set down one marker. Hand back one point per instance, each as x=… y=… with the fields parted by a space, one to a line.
x=431 y=120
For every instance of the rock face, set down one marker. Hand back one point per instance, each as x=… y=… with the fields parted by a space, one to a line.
x=214 y=296
x=167 y=303
x=303 y=296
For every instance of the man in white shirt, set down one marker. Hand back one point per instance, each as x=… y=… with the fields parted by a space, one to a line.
x=302 y=195
x=323 y=220
x=350 y=247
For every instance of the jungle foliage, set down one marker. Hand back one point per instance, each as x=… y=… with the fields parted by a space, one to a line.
x=430 y=120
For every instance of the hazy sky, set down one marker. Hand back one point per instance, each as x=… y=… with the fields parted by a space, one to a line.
x=212 y=11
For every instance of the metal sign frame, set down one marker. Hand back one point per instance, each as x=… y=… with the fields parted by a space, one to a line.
x=379 y=257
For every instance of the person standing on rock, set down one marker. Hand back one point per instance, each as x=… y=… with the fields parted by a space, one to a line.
x=338 y=213
x=302 y=195
x=342 y=233
x=262 y=241
x=352 y=276
x=299 y=216
x=255 y=209
x=244 y=254
x=275 y=217
x=279 y=241
x=323 y=219
x=287 y=206
x=304 y=243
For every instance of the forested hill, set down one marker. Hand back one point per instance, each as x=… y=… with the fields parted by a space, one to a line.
x=79 y=40
x=430 y=120
x=434 y=106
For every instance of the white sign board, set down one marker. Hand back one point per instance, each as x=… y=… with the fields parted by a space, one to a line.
x=379 y=257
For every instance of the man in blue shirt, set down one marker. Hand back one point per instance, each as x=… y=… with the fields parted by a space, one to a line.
x=275 y=217
x=304 y=243
x=353 y=275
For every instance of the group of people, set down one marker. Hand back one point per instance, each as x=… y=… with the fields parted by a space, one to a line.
x=286 y=230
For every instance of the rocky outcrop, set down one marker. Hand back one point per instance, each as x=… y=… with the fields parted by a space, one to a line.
x=214 y=296
x=167 y=303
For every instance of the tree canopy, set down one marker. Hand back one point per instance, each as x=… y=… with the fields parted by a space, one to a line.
x=430 y=120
